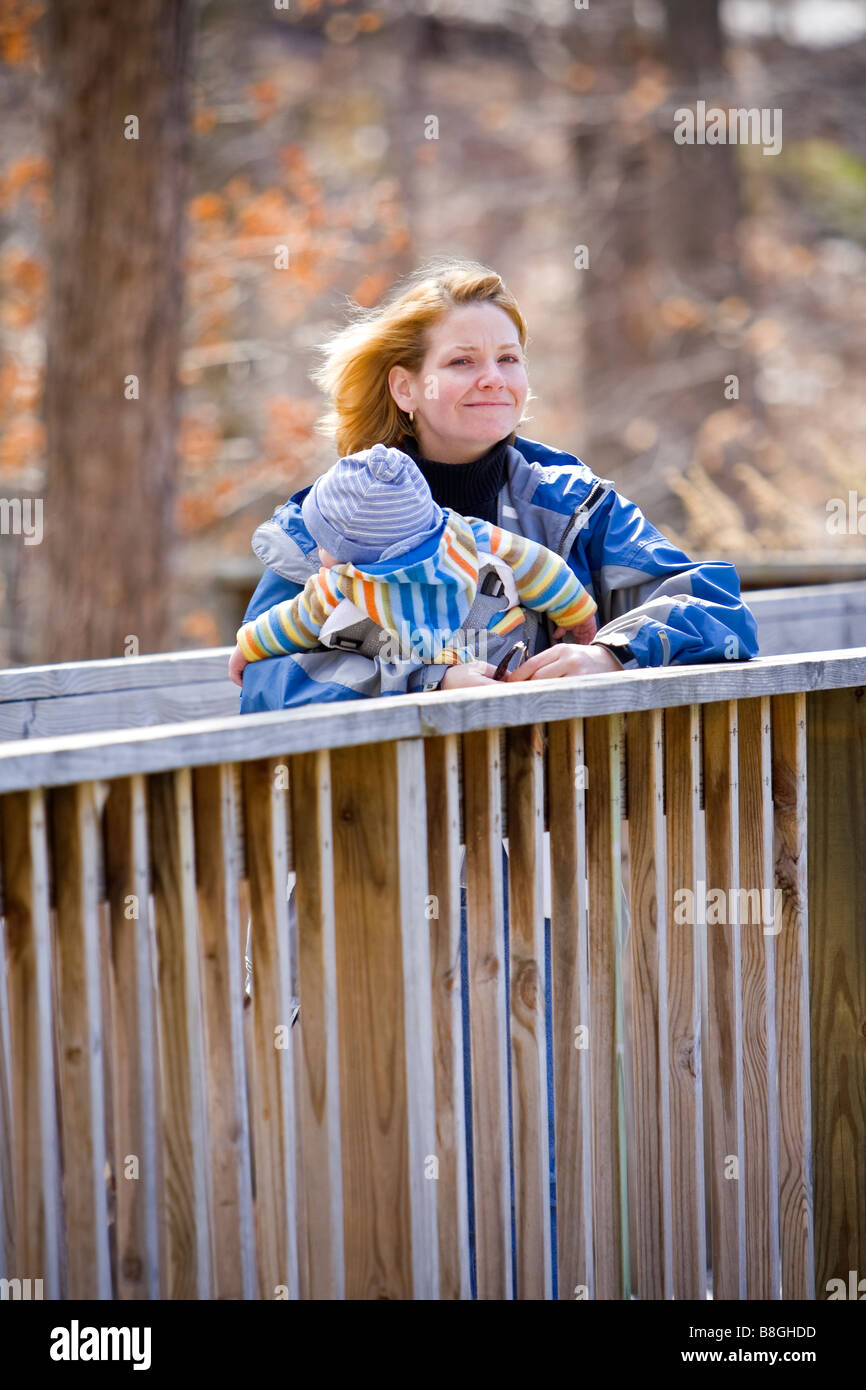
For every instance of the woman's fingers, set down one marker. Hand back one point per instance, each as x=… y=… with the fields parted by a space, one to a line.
x=535 y=663
x=566 y=659
x=468 y=673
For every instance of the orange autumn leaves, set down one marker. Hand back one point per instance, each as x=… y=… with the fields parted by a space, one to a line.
x=22 y=293
x=243 y=438
x=23 y=286
x=17 y=18
x=214 y=488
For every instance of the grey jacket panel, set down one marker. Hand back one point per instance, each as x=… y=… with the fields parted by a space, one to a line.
x=633 y=598
x=279 y=552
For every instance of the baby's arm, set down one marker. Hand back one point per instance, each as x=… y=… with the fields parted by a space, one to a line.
x=295 y=624
x=543 y=580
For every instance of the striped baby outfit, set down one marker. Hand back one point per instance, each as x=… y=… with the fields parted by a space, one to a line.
x=419 y=596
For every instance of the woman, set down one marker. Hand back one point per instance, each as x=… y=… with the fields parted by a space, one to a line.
x=440 y=371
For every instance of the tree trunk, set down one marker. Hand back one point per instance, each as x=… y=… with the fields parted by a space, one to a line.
x=114 y=314
x=700 y=202
x=660 y=221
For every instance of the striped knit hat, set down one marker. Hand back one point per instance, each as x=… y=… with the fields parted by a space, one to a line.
x=373 y=505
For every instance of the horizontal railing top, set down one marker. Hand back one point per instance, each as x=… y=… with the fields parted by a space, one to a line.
x=239 y=738
x=170 y=687
x=117 y=673
x=824 y=606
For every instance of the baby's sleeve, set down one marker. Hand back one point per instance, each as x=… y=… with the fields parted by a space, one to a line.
x=543 y=580
x=295 y=624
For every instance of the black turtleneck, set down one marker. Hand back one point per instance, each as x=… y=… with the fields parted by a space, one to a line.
x=468 y=488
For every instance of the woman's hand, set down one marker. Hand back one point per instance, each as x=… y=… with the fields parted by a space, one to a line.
x=566 y=659
x=468 y=673
x=237 y=662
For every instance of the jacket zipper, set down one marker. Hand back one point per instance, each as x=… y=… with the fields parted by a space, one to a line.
x=587 y=505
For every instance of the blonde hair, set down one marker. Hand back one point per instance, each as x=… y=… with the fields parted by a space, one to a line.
x=359 y=357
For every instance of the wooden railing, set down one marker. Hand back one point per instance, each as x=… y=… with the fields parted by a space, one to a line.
x=165 y=1133
x=172 y=687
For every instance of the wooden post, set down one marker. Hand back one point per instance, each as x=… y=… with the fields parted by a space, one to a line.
x=418 y=1016
x=75 y=840
x=570 y=987
x=35 y=1152
x=488 y=1017
x=7 y=1170
x=322 y=1262
x=443 y=881
x=604 y=742
x=723 y=1052
x=223 y=997
x=685 y=867
x=188 y=1244
x=758 y=939
x=387 y=1097
x=266 y=797
x=837 y=958
x=790 y=795
x=527 y=990
x=652 y=1256
x=136 y=1115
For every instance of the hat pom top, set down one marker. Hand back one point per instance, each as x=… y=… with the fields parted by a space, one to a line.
x=384 y=463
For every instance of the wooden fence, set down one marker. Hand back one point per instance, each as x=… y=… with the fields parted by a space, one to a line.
x=171 y=687
x=163 y=1133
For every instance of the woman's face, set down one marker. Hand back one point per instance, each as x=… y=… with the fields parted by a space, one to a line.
x=472 y=385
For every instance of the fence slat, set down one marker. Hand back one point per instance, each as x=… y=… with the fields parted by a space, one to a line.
x=265 y=794
x=796 y=1211
x=35 y=1151
x=386 y=1031
x=685 y=868
x=837 y=954
x=570 y=988
x=134 y=1038
x=527 y=991
x=603 y=746
x=322 y=1266
x=757 y=940
x=488 y=1019
x=443 y=881
x=183 y=1081
x=652 y=1253
x=723 y=1051
x=418 y=1016
x=7 y=1196
x=75 y=823
x=222 y=984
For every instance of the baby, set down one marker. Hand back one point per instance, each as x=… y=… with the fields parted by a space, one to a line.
x=388 y=549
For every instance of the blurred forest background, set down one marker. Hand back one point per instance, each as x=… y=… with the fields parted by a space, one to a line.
x=307 y=126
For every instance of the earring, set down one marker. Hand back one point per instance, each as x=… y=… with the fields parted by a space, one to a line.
x=411 y=417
